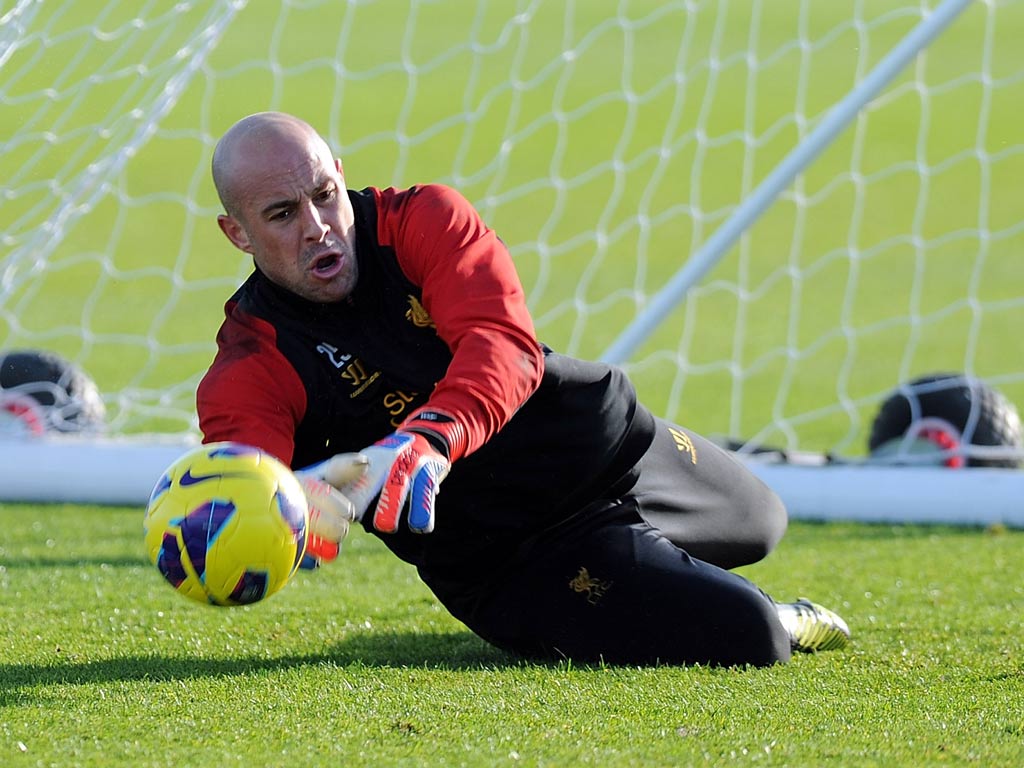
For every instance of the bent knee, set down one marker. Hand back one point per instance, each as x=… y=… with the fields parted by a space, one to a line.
x=757 y=523
x=768 y=523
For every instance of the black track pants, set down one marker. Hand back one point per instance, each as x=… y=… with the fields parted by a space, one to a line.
x=642 y=578
x=705 y=501
x=623 y=593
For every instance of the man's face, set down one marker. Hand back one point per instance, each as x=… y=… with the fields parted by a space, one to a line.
x=293 y=215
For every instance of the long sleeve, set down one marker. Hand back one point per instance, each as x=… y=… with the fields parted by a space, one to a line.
x=472 y=293
x=251 y=394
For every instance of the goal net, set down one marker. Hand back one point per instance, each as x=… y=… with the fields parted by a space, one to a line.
x=607 y=142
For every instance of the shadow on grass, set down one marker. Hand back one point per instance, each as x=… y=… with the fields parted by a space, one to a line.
x=441 y=651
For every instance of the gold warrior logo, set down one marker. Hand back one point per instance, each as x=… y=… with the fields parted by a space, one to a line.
x=417 y=315
x=586 y=584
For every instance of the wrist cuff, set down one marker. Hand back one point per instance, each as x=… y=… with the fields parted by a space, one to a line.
x=439 y=427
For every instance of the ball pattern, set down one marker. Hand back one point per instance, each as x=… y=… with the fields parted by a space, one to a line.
x=226 y=524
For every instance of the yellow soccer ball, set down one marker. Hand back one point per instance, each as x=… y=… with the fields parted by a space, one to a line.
x=226 y=524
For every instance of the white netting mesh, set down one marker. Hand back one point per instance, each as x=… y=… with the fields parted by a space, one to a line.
x=604 y=141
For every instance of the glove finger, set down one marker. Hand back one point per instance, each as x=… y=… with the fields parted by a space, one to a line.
x=364 y=489
x=323 y=550
x=336 y=504
x=329 y=511
x=425 y=484
x=327 y=499
x=327 y=526
x=392 y=500
x=345 y=468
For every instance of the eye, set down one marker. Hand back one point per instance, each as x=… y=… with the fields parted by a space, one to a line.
x=325 y=195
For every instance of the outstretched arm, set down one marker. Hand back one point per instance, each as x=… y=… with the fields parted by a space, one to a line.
x=252 y=395
x=472 y=294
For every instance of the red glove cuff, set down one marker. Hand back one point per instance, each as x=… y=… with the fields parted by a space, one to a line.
x=443 y=430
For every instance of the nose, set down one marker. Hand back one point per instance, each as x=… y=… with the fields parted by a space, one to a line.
x=313 y=226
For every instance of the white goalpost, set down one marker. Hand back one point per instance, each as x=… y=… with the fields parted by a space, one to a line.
x=772 y=213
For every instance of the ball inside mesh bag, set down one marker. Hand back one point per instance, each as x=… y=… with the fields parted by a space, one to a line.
x=947 y=418
x=42 y=392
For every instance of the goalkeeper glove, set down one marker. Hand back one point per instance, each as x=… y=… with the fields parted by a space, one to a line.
x=406 y=469
x=330 y=512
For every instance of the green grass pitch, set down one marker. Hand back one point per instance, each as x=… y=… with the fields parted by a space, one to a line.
x=101 y=664
x=356 y=665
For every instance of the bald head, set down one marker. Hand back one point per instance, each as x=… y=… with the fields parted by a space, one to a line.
x=252 y=140
x=286 y=204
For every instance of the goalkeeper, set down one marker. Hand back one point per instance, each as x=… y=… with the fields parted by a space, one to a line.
x=382 y=346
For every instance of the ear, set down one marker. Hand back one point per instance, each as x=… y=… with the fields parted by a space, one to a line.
x=235 y=232
x=337 y=164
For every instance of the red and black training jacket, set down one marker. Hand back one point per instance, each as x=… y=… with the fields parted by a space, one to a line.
x=437 y=317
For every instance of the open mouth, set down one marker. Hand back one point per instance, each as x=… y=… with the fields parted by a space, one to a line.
x=327 y=266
